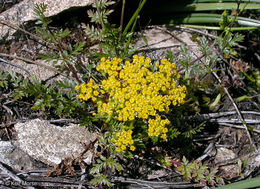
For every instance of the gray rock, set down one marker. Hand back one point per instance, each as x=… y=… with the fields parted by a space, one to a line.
x=40 y=72
x=51 y=144
x=23 y=12
x=253 y=159
x=224 y=154
x=14 y=157
x=155 y=174
x=159 y=40
x=6 y=148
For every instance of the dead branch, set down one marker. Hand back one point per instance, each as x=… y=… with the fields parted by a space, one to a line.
x=238 y=111
x=153 y=184
x=13 y=64
x=15 y=27
x=10 y=173
x=222 y=114
x=29 y=61
x=238 y=127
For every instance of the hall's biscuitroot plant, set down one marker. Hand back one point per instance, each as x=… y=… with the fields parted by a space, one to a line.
x=133 y=91
x=133 y=99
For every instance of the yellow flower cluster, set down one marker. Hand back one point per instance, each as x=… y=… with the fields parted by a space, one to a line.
x=157 y=127
x=88 y=91
x=124 y=139
x=137 y=89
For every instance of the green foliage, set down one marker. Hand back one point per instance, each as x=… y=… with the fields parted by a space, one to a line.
x=11 y=80
x=113 y=42
x=209 y=57
x=100 y=16
x=198 y=172
x=203 y=14
x=47 y=98
x=39 y=15
x=227 y=42
x=105 y=33
x=65 y=54
x=216 y=101
x=225 y=21
x=227 y=39
x=173 y=133
x=165 y=161
x=104 y=164
x=253 y=80
x=101 y=179
x=190 y=131
x=198 y=67
x=194 y=70
x=4 y=80
x=44 y=32
x=242 y=166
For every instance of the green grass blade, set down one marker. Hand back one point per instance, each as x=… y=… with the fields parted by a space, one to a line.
x=219 y=6
x=195 y=7
x=135 y=15
x=250 y=183
x=217 y=28
x=204 y=18
x=224 y=1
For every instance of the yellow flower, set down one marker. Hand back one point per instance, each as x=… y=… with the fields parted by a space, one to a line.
x=132 y=148
x=95 y=93
x=132 y=90
x=123 y=147
x=123 y=139
x=77 y=88
x=118 y=150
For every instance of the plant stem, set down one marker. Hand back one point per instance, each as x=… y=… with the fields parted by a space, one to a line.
x=129 y=39
x=122 y=18
x=74 y=73
x=100 y=14
x=134 y=17
x=192 y=62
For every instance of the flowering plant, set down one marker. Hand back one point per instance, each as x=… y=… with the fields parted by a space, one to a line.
x=138 y=90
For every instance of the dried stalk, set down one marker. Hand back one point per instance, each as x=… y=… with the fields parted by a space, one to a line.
x=238 y=112
x=11 y=174
x=34 y=62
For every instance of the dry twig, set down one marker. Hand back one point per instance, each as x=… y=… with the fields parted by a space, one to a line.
x=238 y=112
x=34 y=62
x=15 y=27
x=153 y=184
x=10 y=174
x=15 y=65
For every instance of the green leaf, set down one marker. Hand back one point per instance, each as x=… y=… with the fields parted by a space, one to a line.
x=249 y=183
x=216 y=101
x=96 y=169
x=103 y=158
x=118 y=167
x=242 y=98
x=39 y=104
x=64 y=33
